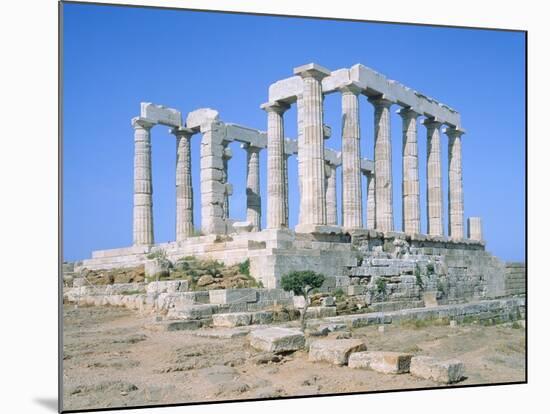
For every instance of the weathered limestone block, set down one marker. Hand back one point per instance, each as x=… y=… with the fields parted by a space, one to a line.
x=156 y=268
x=160 y=114
x=168 y=286
x=231 y=320
x=447 y=372
x=277 y=339
x=242 y=227
x=381 y=361
x=335 y=351
x=196 y=118
x=191 y=312
x=315 y=312
x=226 y=296
x=356 y=290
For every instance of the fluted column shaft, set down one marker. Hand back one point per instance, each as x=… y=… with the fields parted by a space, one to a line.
x=227 y=155
x=410 y=183
x=311 y=151
x=352 y=208
x=253 y=198
x=456 y=195
x=371 y=200
x=383 y=164
x=276 y=184
x=184 y=185
x=143 y=184
x=332 y=214
x=285 y=167
x=434 y=193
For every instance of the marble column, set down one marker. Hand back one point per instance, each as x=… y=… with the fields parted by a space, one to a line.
x=311 y=150
x=253 y=198
x=287 y=156
x=213 y=186
x=371 y=200
x=383 y=164
x=143 y=184
x=475 y=231
x=456 y=195
x=352 y=202
x=434 y=193
x=276 y=165
x=184 y=184
x=410 y=184
x=330 y=173
x=227 y=155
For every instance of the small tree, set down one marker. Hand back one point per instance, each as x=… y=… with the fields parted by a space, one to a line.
x=302 y=283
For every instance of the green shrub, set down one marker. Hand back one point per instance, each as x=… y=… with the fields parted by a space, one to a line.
x=302 y=283
x=381 y=286
x=418 y=276
x=244 y=267
x=339 y=293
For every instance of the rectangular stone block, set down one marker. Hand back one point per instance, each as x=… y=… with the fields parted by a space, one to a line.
x=161 y=114
x=335 y=351
x=191 y=312
x=381 y=361
x=356 y=290
x=230 y=296
x=277 y=339
x=168 y=286
x=231 y=320
x=446 y=372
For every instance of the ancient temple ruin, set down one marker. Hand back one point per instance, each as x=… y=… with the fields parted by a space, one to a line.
x=350 y=253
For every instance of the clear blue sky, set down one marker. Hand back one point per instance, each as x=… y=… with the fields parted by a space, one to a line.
x=117 y=57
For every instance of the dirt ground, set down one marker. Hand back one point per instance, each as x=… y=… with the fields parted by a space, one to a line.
x=112 y=360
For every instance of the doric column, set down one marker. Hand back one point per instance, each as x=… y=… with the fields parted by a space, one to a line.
x=410 y=183
x=475 y=231
x=287 y=156
x=352 y=206
x=330 y=173
x=253 y=198
x=382 y=164
x=213 y=186
x=456 y=195
x=311 y=149
x=184 y=184
x=143 y=184
x=227 y=155
x=434 y=193
x=371 y=200
x=276 y=163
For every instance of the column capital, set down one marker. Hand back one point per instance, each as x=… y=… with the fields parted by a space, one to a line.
x=276 y=106
x=408 y=113
x=383 y=101
x=182 y=132
x=249 y=147
x=312 y=70
x=432 y=122
x=350 y=88
x=142 y=123
x=453 y=131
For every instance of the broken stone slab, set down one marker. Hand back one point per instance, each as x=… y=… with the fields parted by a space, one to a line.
x=335 y=351
x=170 y=326
x=168 y=286
x=277 y=339
x=381 y=361
x=192 y=312
x=242 y=226
x=446 y=372
x=224 y=333
x=230 y=320
x=227 y=296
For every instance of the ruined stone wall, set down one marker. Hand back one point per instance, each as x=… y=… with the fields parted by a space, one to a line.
x=515 y=279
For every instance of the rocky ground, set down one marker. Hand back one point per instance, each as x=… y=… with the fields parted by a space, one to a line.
x=111 y=360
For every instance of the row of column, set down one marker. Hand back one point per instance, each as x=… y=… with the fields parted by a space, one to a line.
x=215 y=189
x=316 y=179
